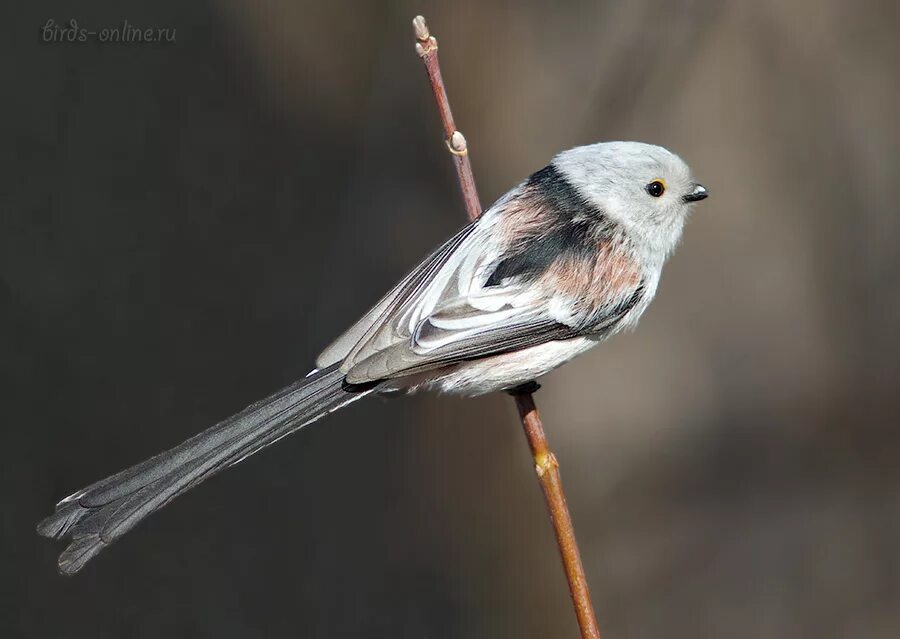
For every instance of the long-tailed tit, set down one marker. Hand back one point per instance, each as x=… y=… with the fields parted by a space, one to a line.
x=564 y=260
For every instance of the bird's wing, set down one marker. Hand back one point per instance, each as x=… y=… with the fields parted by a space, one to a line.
x=459 y=333
x=462 y=329
x=445 y=312
x=407 y=289
x=452 y=273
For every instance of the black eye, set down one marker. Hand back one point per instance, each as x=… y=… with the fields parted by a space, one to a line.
x=656 y=188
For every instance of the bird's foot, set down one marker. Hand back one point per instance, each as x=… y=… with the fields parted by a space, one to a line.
x=524 y=389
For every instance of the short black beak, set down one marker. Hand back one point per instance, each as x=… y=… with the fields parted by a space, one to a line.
x=699 y=193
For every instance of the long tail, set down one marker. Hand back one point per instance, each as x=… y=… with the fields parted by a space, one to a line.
x=101 y=513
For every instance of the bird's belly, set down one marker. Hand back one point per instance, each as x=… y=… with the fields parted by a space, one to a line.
x=499 y=372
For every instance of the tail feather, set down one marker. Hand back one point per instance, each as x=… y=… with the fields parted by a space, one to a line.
x=104 y=511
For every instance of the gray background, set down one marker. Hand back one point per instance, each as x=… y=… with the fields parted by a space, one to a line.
x=184 y=225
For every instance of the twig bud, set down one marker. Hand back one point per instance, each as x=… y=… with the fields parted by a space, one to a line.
x=421 y=29
x=457 y=143
x=428 y=46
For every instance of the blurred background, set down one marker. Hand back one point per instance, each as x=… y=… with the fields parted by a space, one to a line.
x=183 y=226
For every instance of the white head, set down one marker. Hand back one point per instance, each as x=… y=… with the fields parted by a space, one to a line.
x=646 y=188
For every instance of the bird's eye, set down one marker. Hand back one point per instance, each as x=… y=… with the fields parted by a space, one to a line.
x=656 y=188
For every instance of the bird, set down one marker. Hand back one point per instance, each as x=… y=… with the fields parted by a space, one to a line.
x=564 y=260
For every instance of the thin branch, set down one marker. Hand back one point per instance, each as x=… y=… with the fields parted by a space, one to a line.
x=545 y=464
x=547 y=469
x=427 y=48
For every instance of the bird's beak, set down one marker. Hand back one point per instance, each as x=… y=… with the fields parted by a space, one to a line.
x=699 y=193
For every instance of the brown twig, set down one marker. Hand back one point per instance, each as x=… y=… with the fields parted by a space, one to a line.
x=427 y=48
x=545 y=464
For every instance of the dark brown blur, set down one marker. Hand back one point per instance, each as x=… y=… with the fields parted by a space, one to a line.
x=183 y=226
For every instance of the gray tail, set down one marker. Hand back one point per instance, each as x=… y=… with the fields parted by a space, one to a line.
x=101 y=513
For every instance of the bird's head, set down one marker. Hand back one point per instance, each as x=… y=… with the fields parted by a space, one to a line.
x=646 y=188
